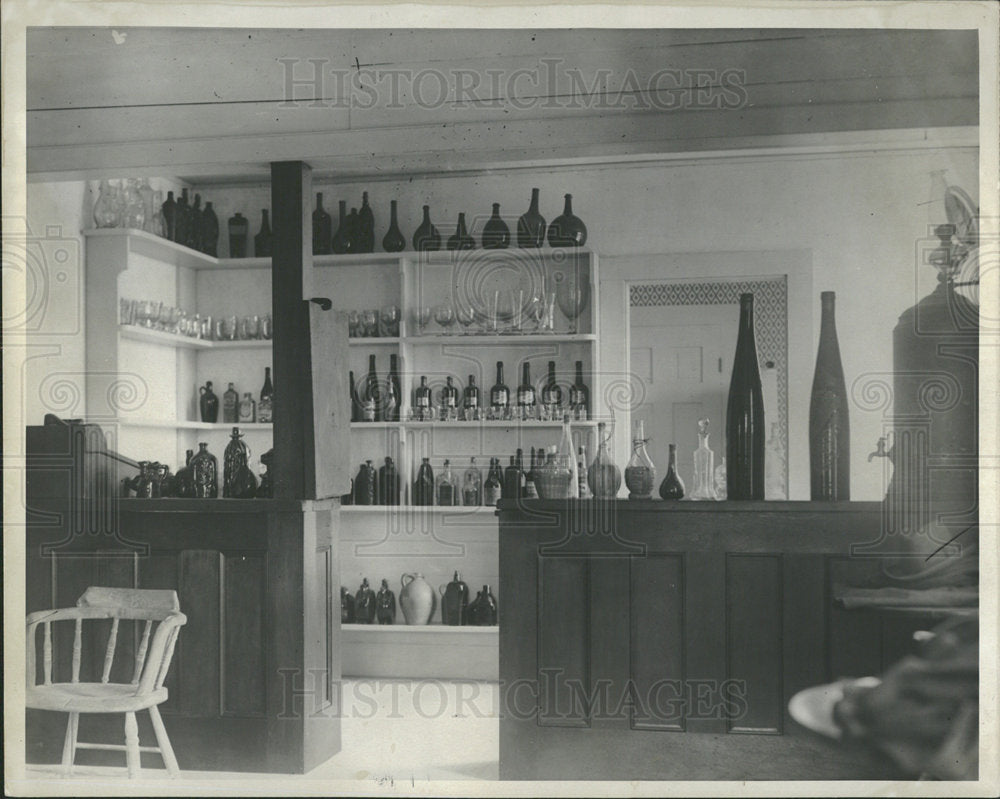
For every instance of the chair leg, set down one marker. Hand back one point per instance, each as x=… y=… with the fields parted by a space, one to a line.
x=166 y=750
x=69 y=746
x=132 y=744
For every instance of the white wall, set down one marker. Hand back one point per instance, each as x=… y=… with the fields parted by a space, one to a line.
x=863 y=216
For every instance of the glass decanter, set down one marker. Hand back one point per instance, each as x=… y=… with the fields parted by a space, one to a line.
x=704 y=466
x=104 y=209
x=640 y=473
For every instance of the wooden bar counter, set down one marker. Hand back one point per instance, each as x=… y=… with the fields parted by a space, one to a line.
x=656 y=640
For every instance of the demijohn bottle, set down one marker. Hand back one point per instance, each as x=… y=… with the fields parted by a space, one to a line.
x=499 y=396
x=265 y=406
x=526 y=395
x=745 y=415
x=829 y=429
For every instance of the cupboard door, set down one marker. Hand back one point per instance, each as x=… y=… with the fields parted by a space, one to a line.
x=326 y=467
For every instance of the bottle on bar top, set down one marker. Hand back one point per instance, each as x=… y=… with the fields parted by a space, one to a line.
x=230 y=405
x=579 y=396
x=423 y=486
x=370 y=393
x=422 y=401
x=581 y=470
x=447 y=494
x=472 y=485
x=672 y=486
x=449 y=401
x=470 y=401
x=530 y=490
x=390 y=401
x=567 y=459
x=745 y=415
x=551 y=395
x=265 y=406
x=526 y=395
x=499 y=396
x=493 y=488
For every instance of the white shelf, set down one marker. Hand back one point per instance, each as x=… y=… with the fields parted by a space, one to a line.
x=173 y=424
x=493 y=424
x=367 y=341
x=445 y=510
x=152 y=336
x=426 y=629
x=502 y=340
x=480 y=255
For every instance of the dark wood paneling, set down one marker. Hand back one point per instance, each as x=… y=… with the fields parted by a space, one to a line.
x=657 y=650
x=609 y=644
x=754 y=631
x=805 y=619
x=704 y=635
x=243 y=681
x=564 y=628
x=199 y=599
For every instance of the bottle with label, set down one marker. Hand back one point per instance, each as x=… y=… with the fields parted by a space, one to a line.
x=445 y=489
x=265 y=406
x=499 y=396
x=526 y=395
x=530 y=490
x=581 y=471
x=370 y=393
x=247 y=409
x=449 y=401
x=551 y=395
x=422 y=401
x=493 y=487
x=388 y=483
x=230 y=405
x=745 y=414
x=472 y=485
x=567 y=459
x=579 y=396
x=470 y=401
x=393 y=392
x=423 y=486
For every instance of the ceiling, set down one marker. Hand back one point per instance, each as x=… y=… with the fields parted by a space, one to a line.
x=213 y=105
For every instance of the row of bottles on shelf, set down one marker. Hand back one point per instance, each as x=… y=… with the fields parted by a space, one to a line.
x=417 y=601
x=373 y=401
x=355 y=231
x=199 y=477
x=245 y=410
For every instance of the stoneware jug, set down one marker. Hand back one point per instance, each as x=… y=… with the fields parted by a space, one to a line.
x=416 y=599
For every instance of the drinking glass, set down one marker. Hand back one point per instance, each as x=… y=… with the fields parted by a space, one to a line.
x=353 y=324
x=250 y=327
x=266 y=328
x=549 y=312
x=466 y=315
x=421 y=316
x=229 y=328
x=516 y=311
x=535 y=311
x=444 y=315
x=165 y=317
x=206 y=328
x=127 y=312
x=369 y=323
x=389 y=321
x=572 y=294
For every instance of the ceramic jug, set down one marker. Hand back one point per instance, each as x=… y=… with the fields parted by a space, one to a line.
x=416 y=599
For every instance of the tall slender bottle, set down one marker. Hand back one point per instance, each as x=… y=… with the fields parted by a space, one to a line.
x=583 y=490
x=322 y=228
x=388 y=483
x=422 y=400
x=579 y=396
x=262 y=241
x=526 y=395
x=393 y=392
x=552 y=394
x=704 y=466
x=530 y=490
x=370 y=393
x=829 y=425
x=393 y=241
x=470 y=400
x=366 y=226
x=449 y=400
x=182 y=219
x=499 y=396
x=423 y=486
x=745 y=415
x=341 y=242
x=511 y=481
x=567 y=457
x=265 y=405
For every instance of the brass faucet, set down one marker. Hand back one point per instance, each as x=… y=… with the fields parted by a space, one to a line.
x=880 y=451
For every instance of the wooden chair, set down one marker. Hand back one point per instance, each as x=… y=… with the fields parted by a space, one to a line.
x=144 y=692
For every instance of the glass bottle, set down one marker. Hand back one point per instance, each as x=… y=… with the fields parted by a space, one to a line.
x=552 y=393
x=184 y=480
x=265 y=406
x=393 y=241
x=745 y=414
x=148 y=209
x=567 y=230
x=205 y=471
x=455 y=602
x=566 y=457
x=531 y=225
x=366 y=226
x=449 y=400
x=472 y=485
x=366 y=485
x=423 y=485
x=182 y=219
x=169 y=211
x=581 y=472
x=156 y=225
x=422 y=402
x=603 y=477
x=470 y=400
x=445 y=489
x=720 y=479
x=496 y=234
x=144 y=482
x=385 y=604
x=104 y=212
x=364 y=603
x=829 y=425
x=640 y=473
x=347 y=613
x=483 y=611
x=499 y=396
x=322 y=228
x=579 y=396
x=262 y=241
x=530 y=490
x=461 y=240
x=195 y=230
x=208 y=403
x=390 y=401
x=493 y=487
x=672 y=486
x=704 y=466
x=519 y=465
x=230 y=405
x=370 y=394
x=235 y=459
x=238 y=231
x=388 y=483
x=209 y=231
x=426 y=236
x=526 y=395
x=342 y=241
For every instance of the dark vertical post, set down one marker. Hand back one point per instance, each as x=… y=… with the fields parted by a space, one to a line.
x=291 y=288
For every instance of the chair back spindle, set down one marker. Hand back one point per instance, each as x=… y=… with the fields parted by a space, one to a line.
x=140 y=655
x=47 y=653
x=77 y=649
x=109 y=653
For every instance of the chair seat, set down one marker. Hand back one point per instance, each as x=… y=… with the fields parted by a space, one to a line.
x=92 y=697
